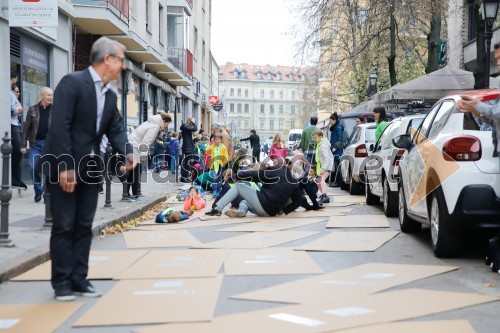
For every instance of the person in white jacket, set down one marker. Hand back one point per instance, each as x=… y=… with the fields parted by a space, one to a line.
x=140 y=139
x=323 y=158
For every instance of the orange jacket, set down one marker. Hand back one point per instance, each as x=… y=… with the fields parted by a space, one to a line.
x=194 y=204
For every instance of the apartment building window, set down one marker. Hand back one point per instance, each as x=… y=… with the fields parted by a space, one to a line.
x=292 y=123
x=271 y=93
x=239 y=92
x=271 y=109
x=148 y=16
x=261 y=124
x=195 y=47
x=231 y=92
x=243 y=75
x=246 y=93
x=231 y=107
x=262 y=108
x=262 y=93
x=292 y=111
x=247 y=108
x=203 y=55
x=259 y=76
x=281 y=109
x=239 y=107
x=271 y=124
x=161 y=26
x=293 y=94
x=280 y=125
x=278 y=76
x=269 y=76
x=281 y=94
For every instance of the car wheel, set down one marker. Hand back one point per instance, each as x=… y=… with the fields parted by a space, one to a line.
x=354 y=187
x=370 y=198
x=389 y=201
x=445 y=244
x=407 y=224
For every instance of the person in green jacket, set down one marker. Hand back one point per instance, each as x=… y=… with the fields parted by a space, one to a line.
x=307 y=145
x=381 y=121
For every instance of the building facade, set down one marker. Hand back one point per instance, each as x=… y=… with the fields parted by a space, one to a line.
x=269 y=99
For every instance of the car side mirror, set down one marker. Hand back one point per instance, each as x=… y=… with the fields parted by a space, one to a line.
x=402 y=141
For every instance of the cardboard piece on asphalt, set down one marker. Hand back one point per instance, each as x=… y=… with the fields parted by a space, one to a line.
x=338 y=204
x=188 y=224
x=257 y=240
x=134 y=302
x=273 y=224
x=326 y=213
x=334 y=315
x=103 y=265
x=154 y=239
x=350 y=241
x=40 y=318
x=166 y=264
x=431 y=326
x=272 y=261
x=358 y=221
x=349 y=199
x=346 y=283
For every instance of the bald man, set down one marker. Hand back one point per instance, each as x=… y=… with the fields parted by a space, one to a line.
x=35 y=129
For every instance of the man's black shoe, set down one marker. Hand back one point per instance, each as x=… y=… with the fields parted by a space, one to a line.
x=20 y=184
x=38 y=197
x=214 y=212
x=86 y=289
x=65 y=295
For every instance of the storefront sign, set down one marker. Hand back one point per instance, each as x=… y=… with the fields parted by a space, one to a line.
x=217 y=107
x=213 y=100
x=33 y=13
x=35 y=55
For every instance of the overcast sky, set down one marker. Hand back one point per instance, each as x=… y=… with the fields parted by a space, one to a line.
x=253 y=32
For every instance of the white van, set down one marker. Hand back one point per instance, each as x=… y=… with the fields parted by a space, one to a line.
x=294 y=137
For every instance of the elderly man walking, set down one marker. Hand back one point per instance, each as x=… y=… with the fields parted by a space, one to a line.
x=35 y=129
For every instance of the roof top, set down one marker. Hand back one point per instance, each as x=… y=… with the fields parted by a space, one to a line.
x=267 y=72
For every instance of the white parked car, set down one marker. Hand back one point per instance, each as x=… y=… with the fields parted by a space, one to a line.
x=381 y=173
x=457 y=189
x=354 y=156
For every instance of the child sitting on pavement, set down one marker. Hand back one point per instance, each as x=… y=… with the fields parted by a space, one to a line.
x=170 y=215
x=194 y=200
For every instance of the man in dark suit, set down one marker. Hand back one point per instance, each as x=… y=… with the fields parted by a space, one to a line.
x=84 y=109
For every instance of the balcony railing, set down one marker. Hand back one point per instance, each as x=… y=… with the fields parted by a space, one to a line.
x=182 y=59
x=118 y=7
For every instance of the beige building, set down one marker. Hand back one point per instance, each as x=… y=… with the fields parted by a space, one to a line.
x=269 y=99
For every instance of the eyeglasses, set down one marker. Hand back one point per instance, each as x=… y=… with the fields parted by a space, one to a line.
x=118 y=57
x=16 y=91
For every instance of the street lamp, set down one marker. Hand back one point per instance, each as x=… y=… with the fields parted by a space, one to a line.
x=372 y=83
x=489 y=10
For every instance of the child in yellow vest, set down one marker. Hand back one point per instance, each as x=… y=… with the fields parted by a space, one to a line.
x=219 y=159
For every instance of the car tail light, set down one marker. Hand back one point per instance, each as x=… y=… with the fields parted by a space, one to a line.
x=360 y=151
x=463 y=148
x=399 y=154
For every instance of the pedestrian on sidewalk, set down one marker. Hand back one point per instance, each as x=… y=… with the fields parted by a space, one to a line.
x=84 y=109
x=16 y=112
x=35 y=129
x=381 y=121
x=307 y=145
x=188 y=150
x=337 y=146
x=174 y=152
x=323 y=157
x=254 y=144
x=218 y=161
x=278 y=148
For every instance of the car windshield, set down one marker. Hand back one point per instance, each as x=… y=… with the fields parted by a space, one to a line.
x=349 y=124
x=294 y=137
x=370 y=134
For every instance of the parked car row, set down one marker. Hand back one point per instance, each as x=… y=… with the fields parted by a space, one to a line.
x=436 y=169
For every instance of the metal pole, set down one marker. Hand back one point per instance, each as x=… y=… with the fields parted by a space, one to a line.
x=46 y=201
x=488 y=34
x=108 y=175
x=5 y=192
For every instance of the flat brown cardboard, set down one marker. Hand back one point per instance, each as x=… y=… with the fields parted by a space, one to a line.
x=257 y=240
x=349 y=199
x=39 y=318
x=103 y=265
x=188 y=224
x=273 y=224
x=133 y=302
x=338 y=204
x=271 y=261
x=155 y=239
x=358 y=221
x=350 y=241
x=431 y=326
x=334 y=315
x=316 y=213
x=346 y=283
x=167 y=264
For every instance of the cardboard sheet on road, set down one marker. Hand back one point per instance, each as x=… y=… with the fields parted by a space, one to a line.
x=103 y=265
x=257 y=240
x=431 y=326
x=192 y=224
x=335 y=314
x=355 y=199
x=338 y=204
x=317 y=213
x=166 y=264
x=39 y=318
x=272 y=261
x=154 y=239
x=350 y=241
x=358 y=221
x=134 y=302
x=273 y=224
x=346 y=283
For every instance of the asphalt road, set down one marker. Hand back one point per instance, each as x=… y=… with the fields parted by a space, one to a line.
x=472 y=277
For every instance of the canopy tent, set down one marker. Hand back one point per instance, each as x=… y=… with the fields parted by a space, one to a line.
x=432 y=86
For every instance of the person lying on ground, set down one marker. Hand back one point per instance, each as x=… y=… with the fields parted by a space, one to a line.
x=170 y=215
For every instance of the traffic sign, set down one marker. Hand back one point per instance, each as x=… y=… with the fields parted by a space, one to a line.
x=213 y=100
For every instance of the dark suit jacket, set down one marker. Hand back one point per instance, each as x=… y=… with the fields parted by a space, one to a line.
x=72 y=134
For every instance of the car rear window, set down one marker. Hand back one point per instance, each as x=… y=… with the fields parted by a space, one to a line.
x=349 y=124
x=294 y=137
x=370 y=134
x=472 y=123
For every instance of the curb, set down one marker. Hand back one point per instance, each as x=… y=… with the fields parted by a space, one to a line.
x=41 y=254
